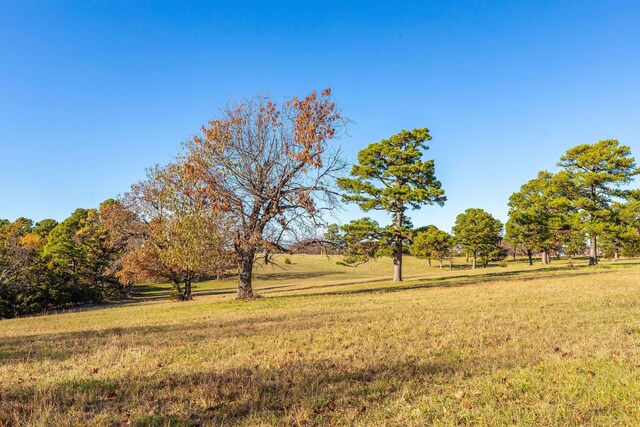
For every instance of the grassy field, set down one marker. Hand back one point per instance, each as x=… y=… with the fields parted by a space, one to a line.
x=329 y=345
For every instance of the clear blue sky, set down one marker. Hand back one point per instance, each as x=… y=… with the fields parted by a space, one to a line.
x=91 y=93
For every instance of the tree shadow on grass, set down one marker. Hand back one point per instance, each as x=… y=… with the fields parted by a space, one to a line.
x=147 y=292
x=292 y=275
x=294 y=383
x=412 y=283
x=158 y=292
x=294 y=287
x=143 y=289
x=445 y=281
x=322 y=390
x=65 y=345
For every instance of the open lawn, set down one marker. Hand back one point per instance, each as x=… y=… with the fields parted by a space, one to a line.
x=330 y=345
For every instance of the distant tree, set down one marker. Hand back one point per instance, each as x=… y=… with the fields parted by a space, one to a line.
x=512 y=241
x=538 y=214
x=104 y=248
x=432 y=243
x=598 y=172
x=575 y=242
x=518 y=236
x=270 y=169
x=66 y=257
x=14 y=261
x=630 y=210
x=27 y=284
x=333 y=239
x=623 y=225
x=391 y=176
x=62 y=247
x=630 y=215
x=364 y=240
x=44 y=227
x=479 y=233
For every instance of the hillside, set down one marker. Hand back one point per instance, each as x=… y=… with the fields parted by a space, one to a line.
x=554 y=345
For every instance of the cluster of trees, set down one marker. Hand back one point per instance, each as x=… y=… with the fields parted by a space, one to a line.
x=259 y=179
x=588 y=199
x=50 y=265
x=251 y=183
x=476 y=234
x=392 y=176
x=556 y=213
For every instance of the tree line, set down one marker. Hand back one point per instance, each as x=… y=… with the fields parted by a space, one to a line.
x=587 y=200
x=49 y=265
x=262 y=178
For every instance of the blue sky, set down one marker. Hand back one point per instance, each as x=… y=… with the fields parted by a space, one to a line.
x=91 y=93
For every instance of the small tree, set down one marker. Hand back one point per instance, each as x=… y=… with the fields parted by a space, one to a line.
x=630 y=215
x=575 y=242
x=598 y=172
x=623 y=226
x=478 y=232
x=333 y=239
x=363 y=240
x=519 y=236
x=432 y=243
x=71 y=260
x=538 y=214
x=391 y=176
x=15 y=260
x=182 y=237
x=103 y=250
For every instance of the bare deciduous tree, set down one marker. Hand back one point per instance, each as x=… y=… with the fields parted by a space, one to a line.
x=269 y=168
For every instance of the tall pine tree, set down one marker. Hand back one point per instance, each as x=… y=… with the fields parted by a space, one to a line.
x=391 y=176
x=598 y=172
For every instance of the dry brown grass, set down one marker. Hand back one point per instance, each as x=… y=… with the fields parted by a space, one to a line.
x=541 y=346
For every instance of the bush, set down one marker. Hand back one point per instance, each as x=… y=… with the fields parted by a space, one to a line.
x=287 y=261
x=502 y=263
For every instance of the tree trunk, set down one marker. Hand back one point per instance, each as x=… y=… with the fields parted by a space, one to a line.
x=451 y=263
x=245 y=270
x=593 y=250
x=397 y=255
x=467 y=257
x=429 y=262
x=187 y=289
x=546 y=259
x=530 y=255
x=397 y=263
x=473 y=266
x=616 y=253
x=440 y=263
